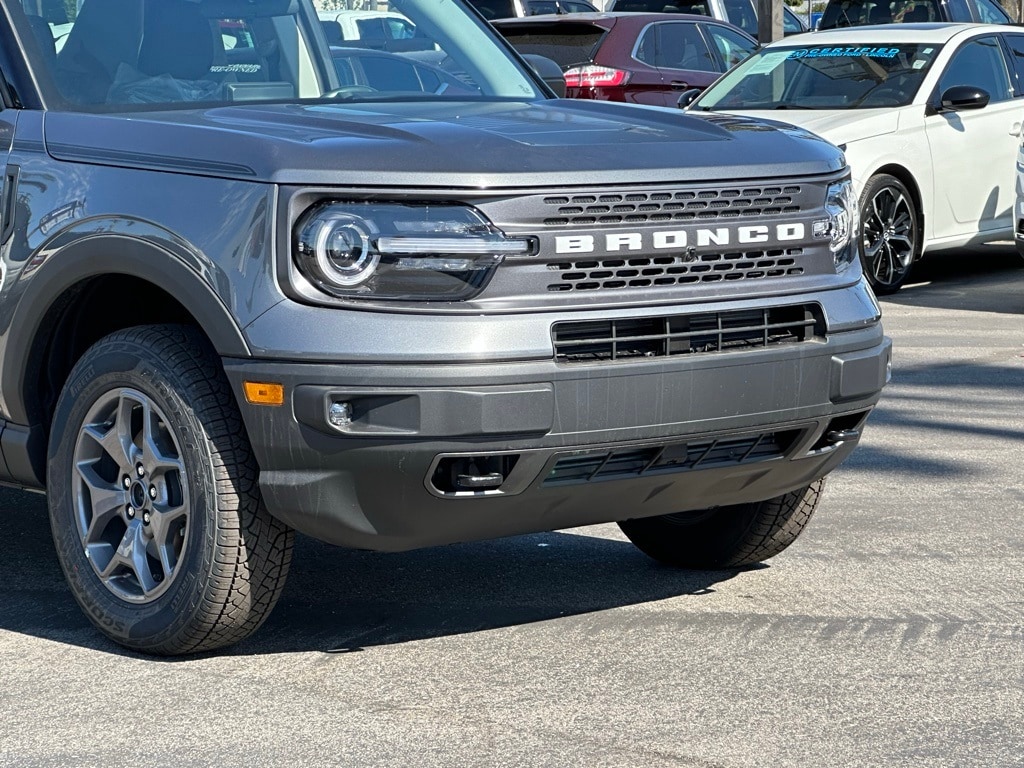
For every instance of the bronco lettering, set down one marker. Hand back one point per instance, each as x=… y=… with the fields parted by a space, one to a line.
x=674 y=239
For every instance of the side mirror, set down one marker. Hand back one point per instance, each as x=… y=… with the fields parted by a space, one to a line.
x=548 y=71
x=959 y=98
x=687 y=97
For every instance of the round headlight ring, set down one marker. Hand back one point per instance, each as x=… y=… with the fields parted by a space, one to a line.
x=342 y=250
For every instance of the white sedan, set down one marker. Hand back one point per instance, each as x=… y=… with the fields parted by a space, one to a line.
x=929 y=116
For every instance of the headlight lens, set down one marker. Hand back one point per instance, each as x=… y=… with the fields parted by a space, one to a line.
x=401 y=252
x=842 y=226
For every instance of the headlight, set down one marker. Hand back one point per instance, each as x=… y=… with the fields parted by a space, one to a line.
x=401 y=252
x=842 y=226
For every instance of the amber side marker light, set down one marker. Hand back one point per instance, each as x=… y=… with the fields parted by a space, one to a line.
x=261 y=393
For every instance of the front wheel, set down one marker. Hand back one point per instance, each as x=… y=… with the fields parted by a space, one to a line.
x=890 y=232
x=154 y=502
x=726 y=537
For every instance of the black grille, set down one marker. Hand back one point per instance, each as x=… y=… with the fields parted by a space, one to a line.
x=662 y=206
x=664 y=271
x=703 y=453
x=626 y=339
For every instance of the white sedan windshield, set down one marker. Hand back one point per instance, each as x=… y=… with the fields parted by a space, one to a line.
x=824 y=77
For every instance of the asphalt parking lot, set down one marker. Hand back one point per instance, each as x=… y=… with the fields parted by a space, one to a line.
x=891 y=633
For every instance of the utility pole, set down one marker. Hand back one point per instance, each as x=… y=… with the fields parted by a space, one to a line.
x=769 y=20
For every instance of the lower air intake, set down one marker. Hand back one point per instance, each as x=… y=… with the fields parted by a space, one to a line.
x=670 y=457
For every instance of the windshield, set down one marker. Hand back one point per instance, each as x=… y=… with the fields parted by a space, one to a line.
x=107 y=55
x=823 y=77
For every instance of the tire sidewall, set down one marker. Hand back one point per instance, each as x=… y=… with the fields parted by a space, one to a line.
x=106 y=366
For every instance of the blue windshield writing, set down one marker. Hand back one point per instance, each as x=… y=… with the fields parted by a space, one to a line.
x=849 y=52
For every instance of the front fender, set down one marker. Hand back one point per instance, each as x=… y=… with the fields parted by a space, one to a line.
x=93 y=251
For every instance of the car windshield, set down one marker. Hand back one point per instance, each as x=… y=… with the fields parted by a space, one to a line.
x=824 y=77
x=112 y=55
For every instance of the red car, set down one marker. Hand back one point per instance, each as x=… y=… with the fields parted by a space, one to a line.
x=640 y=58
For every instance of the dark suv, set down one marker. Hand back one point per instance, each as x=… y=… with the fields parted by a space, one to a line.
x=240 y=297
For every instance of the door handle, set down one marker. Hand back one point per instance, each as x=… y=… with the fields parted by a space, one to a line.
x=679 y=85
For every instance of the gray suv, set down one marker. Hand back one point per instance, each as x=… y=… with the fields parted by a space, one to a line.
x=240 y=298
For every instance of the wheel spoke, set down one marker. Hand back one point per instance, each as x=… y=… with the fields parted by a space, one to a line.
x=115 y=437
x=155 y=459
x=107 y=501
x=165 y=527
x=871 y=251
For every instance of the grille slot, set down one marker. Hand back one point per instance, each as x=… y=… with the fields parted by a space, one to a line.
x=668 y=458
x=683 y=205
x=630 y=338
x=664 y=271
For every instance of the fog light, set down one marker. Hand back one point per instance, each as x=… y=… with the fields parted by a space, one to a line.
x=340 y=414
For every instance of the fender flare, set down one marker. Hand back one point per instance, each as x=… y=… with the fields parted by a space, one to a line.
x=99 y=255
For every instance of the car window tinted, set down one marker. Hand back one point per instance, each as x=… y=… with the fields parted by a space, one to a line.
x=822 y=77
x=741 y=13
x=980 y=64
x=855 y=13
x=114 y=54
x=681 y=46
x=564 y=43
x=791 y=24
x=732 y=47
x=1016 y=45
x=495 y=9
x=700 y=7
x=991 y=12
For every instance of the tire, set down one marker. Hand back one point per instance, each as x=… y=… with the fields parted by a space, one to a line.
x=726 y=537
x=890 y=231
x=154 y=501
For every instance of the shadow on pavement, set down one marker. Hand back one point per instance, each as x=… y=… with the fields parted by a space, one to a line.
x=967 y=401
x=984 y=278
x=339 y=600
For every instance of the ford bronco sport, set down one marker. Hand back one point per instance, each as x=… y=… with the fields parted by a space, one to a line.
x=240 y=297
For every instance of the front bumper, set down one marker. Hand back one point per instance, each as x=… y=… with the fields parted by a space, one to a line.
x=573 y=445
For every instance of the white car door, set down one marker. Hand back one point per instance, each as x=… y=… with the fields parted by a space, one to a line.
x=973 y=151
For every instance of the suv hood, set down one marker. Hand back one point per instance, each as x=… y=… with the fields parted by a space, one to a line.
x=468 y=145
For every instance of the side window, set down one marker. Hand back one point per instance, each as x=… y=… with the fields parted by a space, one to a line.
x=1016 y=45
x=647 y=46
x=741 y=13
x=791 y=25
x=979 y=63
x=732 y=47
x=991 y=12
x=681 y=46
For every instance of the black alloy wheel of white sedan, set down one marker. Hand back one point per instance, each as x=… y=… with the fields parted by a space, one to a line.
x=889 y=229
